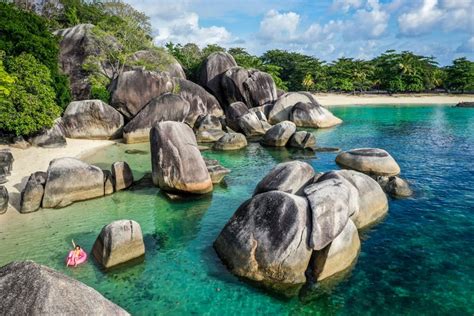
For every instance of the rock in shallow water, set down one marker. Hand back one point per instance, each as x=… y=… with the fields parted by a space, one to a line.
x=372 y=161
x=3 y=199
x=251 y=125
x=27 y=288
x=302 y=140
x=32 y=194
x=119 y=242
x=122 y=175
x=265 y=240
x=279 y=134
x=313 y=115
x=395 y=186
x=231 y=141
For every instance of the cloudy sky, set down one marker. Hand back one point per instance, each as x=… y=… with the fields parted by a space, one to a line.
x=327 y=29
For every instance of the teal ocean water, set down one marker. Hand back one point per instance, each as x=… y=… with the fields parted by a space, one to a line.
x=418 y=260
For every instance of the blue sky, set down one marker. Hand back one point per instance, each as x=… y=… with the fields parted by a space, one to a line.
x=326 y=29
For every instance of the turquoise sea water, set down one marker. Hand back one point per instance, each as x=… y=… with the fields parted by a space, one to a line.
x=418 y=260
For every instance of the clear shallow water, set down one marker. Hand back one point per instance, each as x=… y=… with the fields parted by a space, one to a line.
x=418 y=260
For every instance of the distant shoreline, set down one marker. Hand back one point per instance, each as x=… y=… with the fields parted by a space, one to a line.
x=336 y=99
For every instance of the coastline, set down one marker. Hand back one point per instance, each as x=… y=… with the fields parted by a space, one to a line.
x=32 y=159
x=336 y=100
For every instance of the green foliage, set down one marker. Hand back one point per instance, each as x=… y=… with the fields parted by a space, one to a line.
x=460 y=75
x=30 y=106
x=23 y=31
x=348 y=75
x=6 y=80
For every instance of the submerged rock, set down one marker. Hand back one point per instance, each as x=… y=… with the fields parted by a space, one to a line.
x=32 y=194
x=279 y=134
x=217 y=173
x=3 y=200
x=372 y=161
x=92 y=119
x=119 y=242
x=303 y=140
x=290 y=177
x=265 y=240
x=231 y=141
x=122 y=175
x=27 y=288
x=70 y=180
x=177 y=164
x=395 y=186
x=338 y=256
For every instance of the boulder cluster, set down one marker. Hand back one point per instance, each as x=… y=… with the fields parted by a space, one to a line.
x=69 y=180
x=300 y=226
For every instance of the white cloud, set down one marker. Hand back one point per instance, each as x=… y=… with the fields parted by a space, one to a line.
x=420 y=20
x=280 y=27
x=346 y=5
x=369 y=23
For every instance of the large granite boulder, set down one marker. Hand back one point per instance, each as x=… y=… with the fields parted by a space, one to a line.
x=279 y=134
x=210 y=74
x=92 y=119
x=27 y=288
x=166 y=107
x=290 y=177
x=373 y=203
x=208 y=129
x=122 y=175
x=282 y=108
x=253 y=87
x=158 y=57
x=32 y=194
x=265 y=240
x=302 y=140
x=201 y=102
x=76 y=45
x=53 y=137
x=330 y=203
x=119 y=242
x=313 y=115
x=133 y=89
x=252 y=126
x=372 y=161
x=233 y=113
x=3 y=199
x=338 y=256
x=353 y=202
x=177 y=164
x=395 y=186
x=231 y=141
x=70 y=180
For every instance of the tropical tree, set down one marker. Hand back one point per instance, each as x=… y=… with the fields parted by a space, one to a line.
x=460 y=75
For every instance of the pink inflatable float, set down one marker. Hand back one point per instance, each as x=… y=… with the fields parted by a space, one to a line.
x=72 y=261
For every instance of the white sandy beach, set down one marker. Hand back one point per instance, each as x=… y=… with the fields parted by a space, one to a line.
x=331 y=100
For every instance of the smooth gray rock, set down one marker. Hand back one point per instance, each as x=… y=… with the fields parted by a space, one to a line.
x=27 y=288
x=209 y=135
x=217 y=173
x=279 y=134
x=372 y=161
x=3 y=200
x=32 y=194
x=166 y=107
x=6 y=164
x=70 y=180
x=165 y=62
x=108 y=182
x=233 y=113
x=290 y=177
x=122 y=175
x=329 y=201
x=252 y=126
x=133 y=89
x=207 y=122
x=53 y=137
x=465 y=104
x=302 y=140
x=210 y=74
x=177 y=164
x=231 y=141
x=395 y=186
x=283 y=106
x=119 y=242
x=253 y=87
x=92 y=119
x=265 y=240
x=338 y=256
x=313 y=115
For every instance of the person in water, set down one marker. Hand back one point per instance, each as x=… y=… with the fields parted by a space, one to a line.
x=76 y=253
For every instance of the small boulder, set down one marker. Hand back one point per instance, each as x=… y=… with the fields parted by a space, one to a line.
x=231 y=141
x=108 y=182
x=338 y=256
x=329 y=201
x=372 y=161
x=122 y=175
x=6 y=164
x=32 y=194
x=210 y=74
x=233 y=113
x=252 y=126
x=3 y=200
x=265 y=240
x=166 y=107
x=53 y=137
x=302 y=140
x=19 y=142
x=70 y=180
x=313 y=115
x=92 y=119
x=395 y=186
x=290 y=177
x=279 y=134
x=208 y=129
x=217 y=173
x=119 y=242
x=27 y=288
x=209 y=135
x=177 y=164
